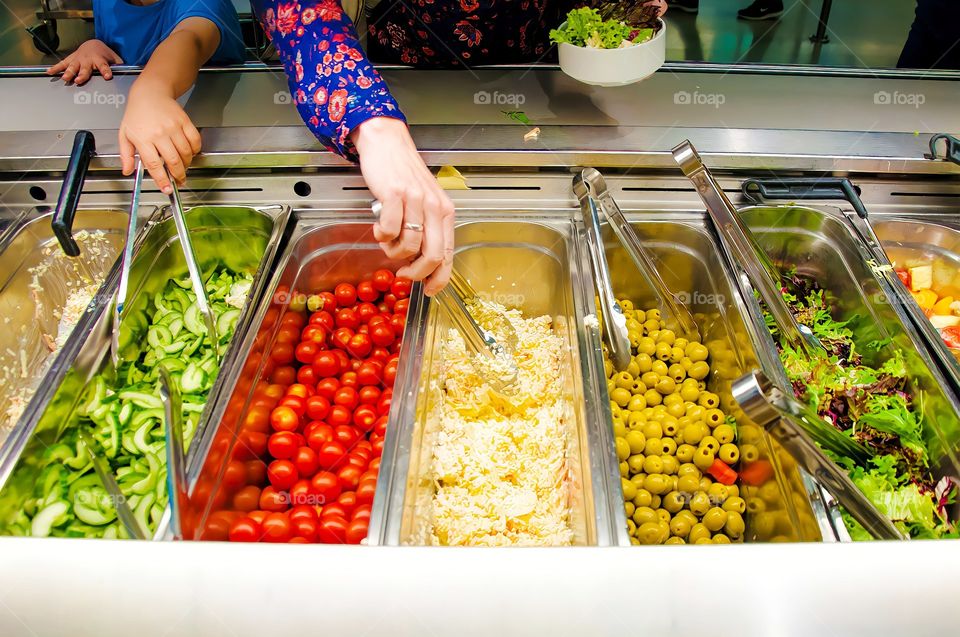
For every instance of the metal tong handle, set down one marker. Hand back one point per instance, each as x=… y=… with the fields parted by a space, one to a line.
x=471 y=298
x=614 y=323
x=751 y=391
x=176 y=464
x=676 y=310
x=196 y=278
x=119 y=501
x=126 y=261
x=952 y=150
x=745 y=251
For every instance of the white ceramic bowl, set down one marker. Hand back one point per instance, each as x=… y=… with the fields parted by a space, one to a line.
x=615 y=67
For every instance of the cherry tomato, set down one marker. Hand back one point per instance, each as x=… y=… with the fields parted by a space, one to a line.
x=245 y=530
x=303 y=511
x=355 y=364
x=300 y=492
x=273 y=500
x=328 y=387
x=317 y=407
x=383 y=404
x=367 y=311
x=375 y=464
x=903 y=275
x=348 y=318
x=276 y=528
x=382 y=280
x=333 y=530
x=299 y=390
x=370 y=373
x=346 y=294
x=325 y=486
x=256 y=471
x=363 y=329
x=307 y=376
x=287 y=335
x=275 y=391
x=321 y=434
x=349 y=477
x=314 y=333
x=333 y=509
x=305 y=528
x=341 y=337
x=369 y=395
x=951 y=336
x=235 y=475
x=340 y=415
x=379 y=354
x=306 y=462
x=359 y=461
x=345 y=359
x=360 y=345
x=282 y=445
x=331 y=454
x=390 y=300
x=348 y=500
x=284 y=375
x=365 y=417
x=329 y=301
x=401 y=307
x=326 y=364
x=294 y=318
x=296 y=404
x=346 y=435
x=401 y=287
x=282 y=474
x=356 y=532
x=258 y=516
x=390 y=373
x=362 y=512
x=346 y=396
x=398 y=323
x=365 y=491
x=380 y=427
x=325 y=320
x=247 y=498
x=349 y=379
x=364 y=447
x=306 y=352
x=252 y=444
x=282 y=353
x=382 y=335
x=383 y=307
x=366 y=291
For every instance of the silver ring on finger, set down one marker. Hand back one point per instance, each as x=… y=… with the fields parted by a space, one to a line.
x=414 y=227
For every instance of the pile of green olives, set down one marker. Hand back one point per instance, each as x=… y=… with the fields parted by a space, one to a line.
x=673 y=441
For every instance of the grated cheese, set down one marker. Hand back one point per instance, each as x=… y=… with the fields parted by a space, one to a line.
x=500 y=464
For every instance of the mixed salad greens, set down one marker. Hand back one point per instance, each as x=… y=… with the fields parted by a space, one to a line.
x=614 y=26
x=872 y=405
x=123 y=414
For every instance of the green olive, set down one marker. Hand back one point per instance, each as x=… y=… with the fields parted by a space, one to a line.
x=646 y=346
x=611 y=386
x=653 y=447
x=713 y=417
x=644 y=363
x=639 y=315
x=636 y=441
x=642 y=515
x=695 y=413
x=715 y=518
x=709 y=442
x=723 y=433
x=729 y=453
x=653 y=314
x=619 y=429
x=649 y=533
x=607 y=367
x=673 y=501
x=664 y=517
x=686 y=364
x=666 y=385
x=656 y=484
x=635 y=463
x=670 y=464
x=633 y=369
x=734 y=526
x=676 y=355
x=749 y=453
x=637 y=403
x=638 y=387
x=626 y=305
x=735 y=504
x=631 y=525
x=698 y=370
x=700 y=503
x=653 y=397
x=629 y=508
x=698 y=532
x=720 y=538
x=689 y=393
x=692 y=434
x=624 y=470
x=652 y=430
x=674 y=539
x=623 y=380
x=685 y=452
x=623 y=449
x=636 y=420
x=680 y=526
x=298 y=302
x=674 y=399
x=653 y=334
x=653 y=464
x=650 y=379
x=688 y=484
x=662 y=351
x=677 y=373
x=667 y=336
x=659 y=368
x=655 y=501
x=643 y=498
x=671 y=422
x=620 y=396
x=697 y=352
x=689 y=469
x=718 y=493
x=629 y=489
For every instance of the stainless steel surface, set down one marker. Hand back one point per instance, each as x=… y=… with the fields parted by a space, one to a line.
x=323 y=250
x=503 y=256
x=243 y=239
x=484 y=310
x=614 y=325
x=677 y=313
x=176 y=464
x=690 y=259
x=119 y=502
x=782 y=417
x=31 y=313
x=190 y=257
x=821 y=247
x=126 y=260
x=744 y=251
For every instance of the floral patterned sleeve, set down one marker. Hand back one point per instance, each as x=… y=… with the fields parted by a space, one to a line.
x=333 y=84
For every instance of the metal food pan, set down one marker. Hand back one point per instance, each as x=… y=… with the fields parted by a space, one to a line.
x=821 y=246
x=243 y=239
x=533 y=264
x=321 y=252
x=783 y=506
x=29 y=316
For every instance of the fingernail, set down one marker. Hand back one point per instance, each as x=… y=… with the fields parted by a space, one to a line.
x=167 y=190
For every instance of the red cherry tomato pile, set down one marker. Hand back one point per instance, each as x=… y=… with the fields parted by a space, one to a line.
x=332 y=368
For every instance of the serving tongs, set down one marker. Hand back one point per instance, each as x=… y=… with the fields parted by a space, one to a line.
x=464 y=306
x=745 y=252
x=117 y=499
x=126 y=260
x=591 y=189
x=176 y=463
x=196 y=277
x=787 y=421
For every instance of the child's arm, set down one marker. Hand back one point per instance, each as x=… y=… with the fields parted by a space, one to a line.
x=154 y=124
x=79 y=66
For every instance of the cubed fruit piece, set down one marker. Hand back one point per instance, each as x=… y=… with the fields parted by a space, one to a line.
x=940 y=321
x=925 y=299
x=921 y=277
x=943 y=305
x=903 y=275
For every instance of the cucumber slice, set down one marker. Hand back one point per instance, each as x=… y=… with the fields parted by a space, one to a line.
x=227 y=322
x=193 y=379
x=50 y=516
x=193 y=321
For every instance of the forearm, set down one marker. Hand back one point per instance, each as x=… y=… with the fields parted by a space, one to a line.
x=332 y=83
x=173 y=67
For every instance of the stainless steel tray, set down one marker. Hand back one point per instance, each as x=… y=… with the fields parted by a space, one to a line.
x=533 y=263
x=28 y=314
x=784 y=506
x=244 y=239
x=821 y=246
x=323 y=250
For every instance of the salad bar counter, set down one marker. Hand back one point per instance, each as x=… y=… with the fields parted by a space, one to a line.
x=579 y=386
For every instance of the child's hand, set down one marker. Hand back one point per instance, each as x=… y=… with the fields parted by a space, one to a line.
x=79 y=65
x=157 y=128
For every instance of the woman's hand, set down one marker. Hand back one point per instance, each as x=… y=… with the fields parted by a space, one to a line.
x=157 y=128
x=661 y=6
x=409 y=193
x=78 y=67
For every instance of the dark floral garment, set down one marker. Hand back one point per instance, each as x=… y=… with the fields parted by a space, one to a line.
x=335 y=87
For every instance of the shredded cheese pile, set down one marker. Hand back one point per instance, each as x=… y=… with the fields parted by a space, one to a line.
x=500 y=463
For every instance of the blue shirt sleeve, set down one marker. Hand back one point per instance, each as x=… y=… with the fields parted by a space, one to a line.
x=332 y=83
x=222 y=13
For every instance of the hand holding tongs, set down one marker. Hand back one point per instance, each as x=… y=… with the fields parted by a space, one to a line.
x=744 y=251
x=458 y=298
x=176 y=464
x=196 y=277
x=785 y=420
